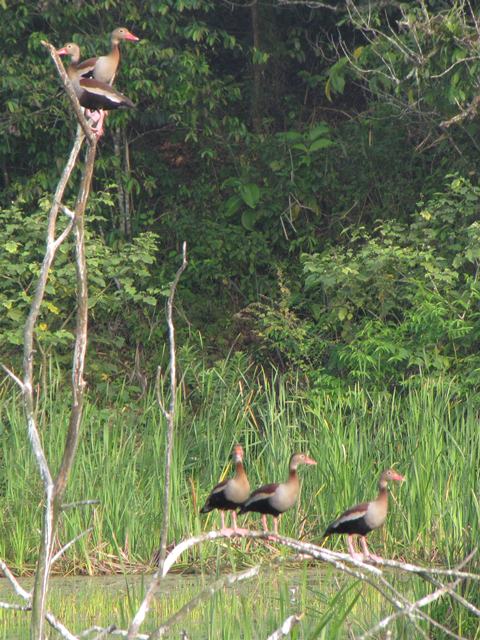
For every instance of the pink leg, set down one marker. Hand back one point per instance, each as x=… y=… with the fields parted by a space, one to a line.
x=225 y=530
x=275 y=525
x=264 y=522
x=93 y=115
x=366 y=551
x=98 y=128
x=355 y=555
x=236 y=528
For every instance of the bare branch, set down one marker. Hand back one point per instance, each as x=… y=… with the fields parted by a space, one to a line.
x=70 y=91
x=112 y=631
x=80 y=503
x=286 y=627
x=411 y=608
x=369 y=573
x=68 y=212
x=78 y=383
x=311 y=4
x=15 y=607
x=60 y=553
x=469 y=113
x=19 y=590
x=58 y=626
x=12 y=376
x=158 y=386
x=171 y=412
x=170 y=417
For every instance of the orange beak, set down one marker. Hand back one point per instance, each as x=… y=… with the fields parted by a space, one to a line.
x=309 y=460
x=398 y=477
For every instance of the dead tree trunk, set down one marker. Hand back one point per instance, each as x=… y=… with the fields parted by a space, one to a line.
x=54 y=490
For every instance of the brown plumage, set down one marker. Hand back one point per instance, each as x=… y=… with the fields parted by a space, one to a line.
x=92 y=94
x=104 y=68
x=230 y=494
x=274 y=499
x=363 y=518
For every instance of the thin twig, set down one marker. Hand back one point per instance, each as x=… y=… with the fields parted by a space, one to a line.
x=13 y=376
x=19 y=590
x=410 y=609
x=80 y=503
x=59 y=627
x=170 y=417
x=16 y=607
x=112 y=631
x=286 y=627
x=60 y=553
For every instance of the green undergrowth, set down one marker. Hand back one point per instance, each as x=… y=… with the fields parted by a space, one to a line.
x=426 y=433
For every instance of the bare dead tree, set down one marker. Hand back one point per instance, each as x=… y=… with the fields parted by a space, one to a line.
x=169 y=415
x=54 y=488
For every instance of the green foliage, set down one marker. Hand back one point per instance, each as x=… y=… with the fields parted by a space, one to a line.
x=295 y=189
x=124 y=291
x=388 y=306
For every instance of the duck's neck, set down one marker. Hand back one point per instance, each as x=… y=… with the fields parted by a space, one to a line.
x=115 y=51
x=382 y=497
x=239 y=470
x=293 y=476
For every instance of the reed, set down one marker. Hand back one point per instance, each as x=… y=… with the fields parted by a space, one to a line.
x=426 y=433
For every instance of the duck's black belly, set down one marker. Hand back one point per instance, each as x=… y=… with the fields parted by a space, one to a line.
x=359 y=527
x=261 y=506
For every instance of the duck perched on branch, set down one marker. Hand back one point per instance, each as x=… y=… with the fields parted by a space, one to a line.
x=230 y=494
x=92 y=94
x=276 y=498
x=363 y=518
x=104 y=68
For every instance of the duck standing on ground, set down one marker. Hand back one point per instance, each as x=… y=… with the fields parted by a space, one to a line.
x=275 y=499
x=230 y=494
x=363 y=518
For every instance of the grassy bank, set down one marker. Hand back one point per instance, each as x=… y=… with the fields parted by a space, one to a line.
x=425 y=433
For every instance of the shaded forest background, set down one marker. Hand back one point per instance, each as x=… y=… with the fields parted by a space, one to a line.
x=307 y=154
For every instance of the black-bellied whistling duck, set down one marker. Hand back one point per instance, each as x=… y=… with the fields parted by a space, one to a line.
x=104 y=68
x=230 y=494
x=92 y=94
x=276 y=498
x=362 y=518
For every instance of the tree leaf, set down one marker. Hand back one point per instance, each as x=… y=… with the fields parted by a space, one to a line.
x=250 y=194
x=248 y=219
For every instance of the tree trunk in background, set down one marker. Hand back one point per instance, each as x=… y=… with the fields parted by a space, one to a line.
x=257 y=93
x=127 y=192
x=122 y=173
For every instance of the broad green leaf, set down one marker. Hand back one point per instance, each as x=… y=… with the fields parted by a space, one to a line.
x=318 y=130
x=323 y=143
x=11 y=246
x=250 y=194
x=248 y=219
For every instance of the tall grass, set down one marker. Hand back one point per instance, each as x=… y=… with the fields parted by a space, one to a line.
x=425 y=433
